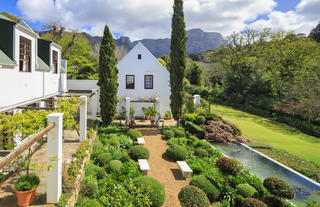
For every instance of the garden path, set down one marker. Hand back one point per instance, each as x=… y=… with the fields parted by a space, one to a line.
x=165 y=171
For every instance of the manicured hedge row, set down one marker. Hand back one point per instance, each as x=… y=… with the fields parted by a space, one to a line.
x=194 y=129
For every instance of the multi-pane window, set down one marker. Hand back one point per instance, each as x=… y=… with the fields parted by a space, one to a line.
x=129 y=81
x=148 y=82
x=55 y=61
x=25 y=55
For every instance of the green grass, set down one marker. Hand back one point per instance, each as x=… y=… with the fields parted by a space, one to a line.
x=278 y=135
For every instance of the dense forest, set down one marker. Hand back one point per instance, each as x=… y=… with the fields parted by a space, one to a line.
x=266 y=73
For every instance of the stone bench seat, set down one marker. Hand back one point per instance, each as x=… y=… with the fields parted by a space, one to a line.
x=141 y=141
x=185 y=169
x=144 y=166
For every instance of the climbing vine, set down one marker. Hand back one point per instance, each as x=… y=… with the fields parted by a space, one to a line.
x=30 y=122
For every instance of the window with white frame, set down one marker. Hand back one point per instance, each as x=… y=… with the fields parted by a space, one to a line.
x=25 y=55
x=148 y=82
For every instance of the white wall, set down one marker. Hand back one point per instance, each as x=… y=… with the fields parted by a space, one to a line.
x=21 y=87
x=82 y=85
x=147 y=65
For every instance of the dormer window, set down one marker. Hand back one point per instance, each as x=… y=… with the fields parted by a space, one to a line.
x=55 y=61
x=139 y=56
x=25 y=55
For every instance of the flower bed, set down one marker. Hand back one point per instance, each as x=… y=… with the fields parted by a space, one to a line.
x=113 y=178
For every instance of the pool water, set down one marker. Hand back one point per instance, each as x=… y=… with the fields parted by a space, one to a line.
x=264 y=168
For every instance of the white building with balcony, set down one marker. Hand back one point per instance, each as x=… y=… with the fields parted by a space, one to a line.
x=31 y=69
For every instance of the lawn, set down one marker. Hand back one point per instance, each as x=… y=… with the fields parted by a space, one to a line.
x=264 y=131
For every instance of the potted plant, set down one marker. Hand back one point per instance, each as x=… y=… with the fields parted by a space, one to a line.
x=26 y=185
x=1 y=179
x=152 y=112
x=146 y=112
x=168 y=115
x=132 y=123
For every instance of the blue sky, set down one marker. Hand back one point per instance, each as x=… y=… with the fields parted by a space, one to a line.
x=151 y=19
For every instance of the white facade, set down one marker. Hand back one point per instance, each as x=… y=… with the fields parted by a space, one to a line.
x=147 y=65
x=19 y=88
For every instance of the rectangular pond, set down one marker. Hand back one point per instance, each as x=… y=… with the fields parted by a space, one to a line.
x=263 y=168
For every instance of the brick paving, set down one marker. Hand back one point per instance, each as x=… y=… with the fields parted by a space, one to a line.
x=7 y=195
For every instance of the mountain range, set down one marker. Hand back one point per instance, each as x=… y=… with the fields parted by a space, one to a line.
x=198 y=41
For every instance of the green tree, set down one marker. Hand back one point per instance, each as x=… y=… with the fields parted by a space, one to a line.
x=166 y=59
x=315 y=33
x=177 y=59
x=196 y=75
x=108 y=77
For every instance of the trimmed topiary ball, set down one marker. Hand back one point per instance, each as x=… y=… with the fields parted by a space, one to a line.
x=179 y=133
x=279 y=187
x=157 y=194
x=177 y=153
x=204 y=144
x=200 y=120
x=253 y=202
x=201 y=152
x=168 y=134
x=101 y=173
x=134 y=134
x=115 y=165
x=246 y=190
x=204 y=184
x=192 y=196
x=90 y=189
x=273 y=201
x=90 y=203
x=125 y=158
x=228 y=166
x=103 y=159
x=139 y=152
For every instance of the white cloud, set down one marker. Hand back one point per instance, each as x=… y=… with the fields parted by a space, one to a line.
x=152 y=18
x=145 y=18
x=302 y=20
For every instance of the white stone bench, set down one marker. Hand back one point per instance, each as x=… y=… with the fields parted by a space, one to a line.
x=141 y=141
x=144 y=166
x=185 y=169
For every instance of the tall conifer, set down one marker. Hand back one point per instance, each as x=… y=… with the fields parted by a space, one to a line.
x=177 y=59
x=108 y=77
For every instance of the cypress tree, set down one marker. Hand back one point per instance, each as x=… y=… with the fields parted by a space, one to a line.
x=177 y=59
x=108 y=77
x=196 y=76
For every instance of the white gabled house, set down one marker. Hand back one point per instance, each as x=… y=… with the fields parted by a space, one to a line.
x=31 y=69
x=143 y=78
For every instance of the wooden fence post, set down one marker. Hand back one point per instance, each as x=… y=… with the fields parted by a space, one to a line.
x=83 y=118
x=54 y=150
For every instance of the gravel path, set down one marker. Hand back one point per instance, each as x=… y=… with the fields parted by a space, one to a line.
x=165 y=171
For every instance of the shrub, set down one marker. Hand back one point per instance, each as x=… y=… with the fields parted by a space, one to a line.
x=201 y=152
x=204 y=144
x=125 y=158
x=197 y=169
x=101 y=173
x=90 y=203
x=103 y=159
x=279 y=187
x=204 y=184
x=27 y=182
x=252 y=202
x=134 y=133
x=90 y=189
x=115 y=165
x=190 y=117
x=178 y=132
x=219 y=131
x=177 y=153
x=228 y=166
x=273 y=201
x=192 y=196
x=257 y=184
x=246 y=190
x=125 y=142
x=1 y=177
x=238 y=200
x=194 y=139
x=195 y=129
x=139 y=152
x=179 y=141
x=114 y=142
x=200 y=120
x=108 y=130
x=212 y=116
x=157 y=194
x=168 y=134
